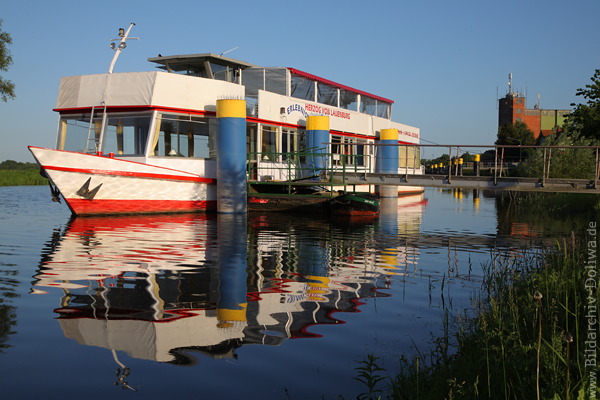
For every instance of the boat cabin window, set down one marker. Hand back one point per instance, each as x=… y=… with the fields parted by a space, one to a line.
x=289 y=144
x=368 y=105
x=348 y=100
x=348 y=151
x=126 y=135
x=183 y=136
x=303 y=88
x=383 y=110
x=224 y=73
x=327 y=94
x=208 y=70
x=272 y=80
x=269 y=143
x=409 y=157
x=278 y=144
x=123 y=134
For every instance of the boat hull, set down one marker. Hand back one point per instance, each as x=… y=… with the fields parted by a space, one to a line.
x=96 y=185
x=352 y=204
x=290 y=203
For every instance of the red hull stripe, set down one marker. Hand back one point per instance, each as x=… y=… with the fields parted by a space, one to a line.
x=99 y=207
x=356 y=213
x=133 y=174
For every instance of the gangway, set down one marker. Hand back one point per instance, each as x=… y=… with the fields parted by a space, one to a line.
x=463 y=182
x=489 y=176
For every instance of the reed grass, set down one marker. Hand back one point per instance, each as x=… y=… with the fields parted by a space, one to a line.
x=21 y=177
x=524 y=341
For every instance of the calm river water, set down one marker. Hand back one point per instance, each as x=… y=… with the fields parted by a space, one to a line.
x=220 y=307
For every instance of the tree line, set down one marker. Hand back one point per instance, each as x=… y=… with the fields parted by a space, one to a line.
x=17 y=165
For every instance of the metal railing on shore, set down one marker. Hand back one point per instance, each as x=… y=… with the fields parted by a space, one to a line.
x=573 y=166
x=503 y=159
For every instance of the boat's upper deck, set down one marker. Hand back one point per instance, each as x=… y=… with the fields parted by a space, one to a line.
x=284 y=81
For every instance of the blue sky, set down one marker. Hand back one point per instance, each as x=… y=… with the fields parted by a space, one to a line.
x=444 y=63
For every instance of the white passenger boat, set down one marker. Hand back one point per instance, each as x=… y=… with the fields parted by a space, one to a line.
x=144 y=142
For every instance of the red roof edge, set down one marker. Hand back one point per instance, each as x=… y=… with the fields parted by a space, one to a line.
x=328 y=82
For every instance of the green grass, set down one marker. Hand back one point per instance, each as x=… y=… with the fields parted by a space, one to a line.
x=21 y=177
x=526 y=340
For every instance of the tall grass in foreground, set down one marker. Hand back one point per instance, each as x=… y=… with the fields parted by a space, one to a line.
x=526 y=340
x=9 y=177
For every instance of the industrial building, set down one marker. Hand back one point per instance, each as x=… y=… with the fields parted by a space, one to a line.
x=512 y=108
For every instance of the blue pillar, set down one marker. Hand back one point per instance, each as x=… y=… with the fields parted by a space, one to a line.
x=388 y=218
x=232 y=261
x=388 y=226
x=387 y=160
x=313 y=263
x=317 y=133
x=231 y=156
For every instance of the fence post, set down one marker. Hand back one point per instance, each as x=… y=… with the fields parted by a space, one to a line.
x=597 y=170
x=450 y=165
x=544 y=169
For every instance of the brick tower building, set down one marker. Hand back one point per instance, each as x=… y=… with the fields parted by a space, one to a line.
x=512 y=108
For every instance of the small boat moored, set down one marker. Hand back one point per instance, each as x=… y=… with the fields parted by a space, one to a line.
x=354 y=204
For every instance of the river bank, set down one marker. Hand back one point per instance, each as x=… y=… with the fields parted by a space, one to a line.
x=533 y=333
x=27 y=177
x=14 y=173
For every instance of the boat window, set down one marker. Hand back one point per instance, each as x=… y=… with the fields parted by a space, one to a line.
x=301 y=135
x=124 y=134
x=251 y=137
x=408 y=157
x=223 y=73
x=348 y=151
x=183 y=136
x=74 y=132
x=269 y=143
x=303 y=88
x=327 y=94
x=336 y=149
x=368 y=105
x=359 y=154
x=289 y=144
x=383 y=109
x=270 y=79
x=348 y=100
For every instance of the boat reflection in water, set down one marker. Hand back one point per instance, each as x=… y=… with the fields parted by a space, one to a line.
x=164 y=288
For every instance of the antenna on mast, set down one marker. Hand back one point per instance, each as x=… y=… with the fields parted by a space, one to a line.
x=225 y=52
x=123 y=36
x=510 y=84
